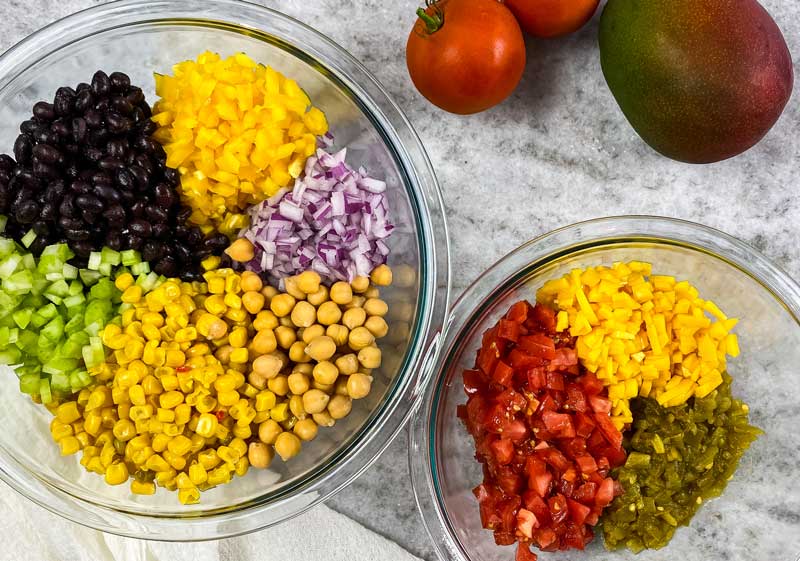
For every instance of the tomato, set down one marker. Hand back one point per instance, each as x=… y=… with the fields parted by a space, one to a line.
x=551 y=18
x=524 y=553
x=465 y=56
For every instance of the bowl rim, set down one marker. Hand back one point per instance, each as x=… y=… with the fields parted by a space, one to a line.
x=522 y=261
x=426 y=199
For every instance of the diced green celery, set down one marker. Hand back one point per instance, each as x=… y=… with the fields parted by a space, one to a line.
x=89 y=277
x=71 y=349
x=59 y=382
x=3 y=222
x=54 y=299
x=58 y=288
x=105 y=269
x=22 y=317
x=52 y=277
x=60 y=251
x=9 y=265
x=104 y=289
x=10 y=356
x=95 y=258
x=48 y=312
x=140 y=268
x=69 y=271
x=27 y=340
x=147 y=282
x=28 y=238
x=131 y=257
x=59 y=365
x=75 y=287
x=108 y=255
x=29 y=384
x=50 y=264
x=44 y=391
x=39 y=286
x=29 y=261
x=54 y=330
x=20 y=282
x=74 y=324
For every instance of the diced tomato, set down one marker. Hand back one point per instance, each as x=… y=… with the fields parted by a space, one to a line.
x=516 y=431
x=554 y=458
x=508 y=330
x=538 y=345
x=593 y=519
x=502 y=537
x=591 y=385
x=610 y=432
x=537 y=505
x=558 y=508
x=513 y=401
x=524 y=553
x=577 y=536
x=605 y=493
x=559 y=424
x=509 y=481
x=584 y=425
x=545 y=537
x=502 y=374
x=537 y=378
x=565 y=358
x=600 y=404
x=518 y=312
x=555 y=381
x=586 y=464
x=545 y=317
x=576 y=400
x=573 y=447
x=548 y=403
x=526 y=522
x=521 y=360
x=474 y=382
x=586 y=493
x=503 y=450
x=578 y=512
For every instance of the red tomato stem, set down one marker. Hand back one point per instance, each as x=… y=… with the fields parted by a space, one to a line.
x=433 y=22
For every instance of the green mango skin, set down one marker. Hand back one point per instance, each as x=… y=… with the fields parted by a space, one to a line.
x=699 y=80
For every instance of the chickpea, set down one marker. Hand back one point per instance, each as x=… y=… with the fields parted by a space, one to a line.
x=250 y=282
x=259 y=455
x=223 y=354
x=279 y=385
x=285 y=336
x=290 y=287
x=282 y=304
x=354 y=317
x=286 y=321
x=338 y=333
x=340 y=387
x=268 y=431
x=327 y=388
x=305 y=429
x=339 y=406
x=377 y=326
x=325 y=372
x=296 y=406
x=308 y=281
x=359 y=338
x=269 y=292
x=320 y=296
x=264 y=342
x=315 y=401
x=372 y=292
x=267 y=320
x=304 y=314
x=321 y=348
x=360 y=284
x=304 y=368
x=258 y=381
x=357 y=302
x=370 y=357
x=359 y=385
x=347 y=364
x=381 y=275
x=253 y=301
x=299 y=383
x=297 y=352
x=365 y=371
x=341 y=293
x=329 y=313
x=323 y=419
x=287 y=445
x=311 y=333
x=270 y=365
x=241 y=250
x=376 y=307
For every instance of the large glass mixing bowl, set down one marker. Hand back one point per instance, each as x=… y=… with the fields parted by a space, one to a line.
x=140 y=38
x=756 y=518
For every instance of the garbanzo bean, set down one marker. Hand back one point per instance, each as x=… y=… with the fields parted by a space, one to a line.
x=282 y=304
x=265 y=320
x=359 y=385
x=354 y=317
x=305 y=429
x=286 y=321
x=253 y=301
x=321 y=348
x=311 y=333
x=339 y=406
x=340 y=387
x=304 y=368
x=323 y=419
x=360 y=284
x=370 y=357
x=269 y=365
x=268 y=431
x=357 y=302
x=372 y=292
x=257 y=380
x=377 y=326
x=269 y=292
x=325 y=372
x=241 y=250
x=264 y=342
x=329 y=313
x=279 y=385
x=296 y=406
x=304 y=314
x=359 y=338
x=250 y=281
x=381 y=275
x=315 y=401
x=338 y=333
x=287 y=445
x=299 y=383
x=297 y=352
x=319 y=297
x=341 y=293
x=347 y=364
x=290 y=286
x=223 y=354
x=308 y=281
x=259 y=455
x=286 y=336
x=375 y=307
x=327 y=388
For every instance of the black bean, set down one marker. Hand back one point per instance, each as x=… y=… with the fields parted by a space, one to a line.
x=172 y=177
x=23 y=147
x=84 y=100
x=48 y=212
x=71 y=149
x=151 y=251
x=144 y=162
x=27 y=127
x=140 y=227
x=134 y=242
x=99 y=137
x=102 y=178
x=182 y=253
x=79 y=129
x=117 y=123
x=109 y=163
x=117 y=148
x=64 y=101
x=128 y=197
x=194 y=237
x=93 y=154
x=25 y=177
x=70 y=223
x=89 y=202
x=7 y=163
x=77 y=234
x=125 y=179
x=72 y=170
x=61 y=128
x=101 y=84
x=156 y=214
x=27 y=212
x=138 y=116
x=89 y=216
x=107 y=193
x=46 y=154
x=94 y=119
x=167 y=267
x=41 y=228
x=141 y=175
x=120 y=81
x=46 y=136
x=39 y=244
x=135 y=96
x=102 y=105
x=115 y=215
x=44 y=112
x=183 y=215
x=121 y=105
x=67 y=207
x=137 y=208
x=80 y=187
x=114 y=240
x=44 y=171
x=82 y=248
x=161 y=231
x=216 y=242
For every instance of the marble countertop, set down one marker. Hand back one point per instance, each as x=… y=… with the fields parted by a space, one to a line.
x=556 y=152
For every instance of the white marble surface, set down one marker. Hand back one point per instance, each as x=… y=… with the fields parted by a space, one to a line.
x=558 y=151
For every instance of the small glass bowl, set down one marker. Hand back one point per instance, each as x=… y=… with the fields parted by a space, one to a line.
x=142 y=37
x=756 y=517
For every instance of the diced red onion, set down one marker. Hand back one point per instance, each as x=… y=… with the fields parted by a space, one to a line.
x=335 y=221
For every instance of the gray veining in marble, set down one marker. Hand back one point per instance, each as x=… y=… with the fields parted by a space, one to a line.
x=556 y=152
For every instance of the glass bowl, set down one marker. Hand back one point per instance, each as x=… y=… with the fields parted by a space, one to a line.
x=140 y=38
x=756 y=518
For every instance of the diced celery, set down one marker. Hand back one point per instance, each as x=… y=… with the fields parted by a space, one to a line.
x=147 y=282
x=29 y=384
x=44 y=391
x=89 y=277
x=105 y=269
x=10 y=356
x=22 y=317
x=131 y=257
x=54 y=329
x=59 y=382
x=27 y=339
x=59 y=365
x=75 y=287
x=54 y=299
x=69 y=272
x=54 y=276
x=108 y=255
x=29 y=262
x=104 y=289
x=28 y=238
x=48 y=312
x=74 y=324
x=140 y=268
x=9 y=265
x=95 y=258
x=58 y=288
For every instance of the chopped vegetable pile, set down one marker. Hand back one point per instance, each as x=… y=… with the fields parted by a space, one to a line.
x=608 y=401
x=164 y=366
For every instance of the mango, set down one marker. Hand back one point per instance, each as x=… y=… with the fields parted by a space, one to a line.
x=699 y=80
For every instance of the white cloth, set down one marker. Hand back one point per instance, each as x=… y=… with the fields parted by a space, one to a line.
x=30 y=533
